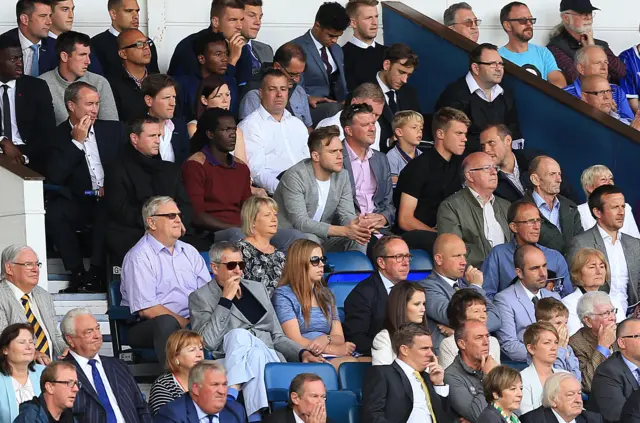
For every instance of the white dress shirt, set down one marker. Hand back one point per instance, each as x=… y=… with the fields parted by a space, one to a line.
x=492 y=229
x=385 y=89
x=335 y=120
x=27 y=53
x=272 y=146
x=114 y=31
x=559 y=418
x=323 y=194
x=52 y=35
x=297 y=418
x=514 y=177
x=92 y=155
x=24 y=392
x=420 y=412
x=15 y=134
x=17 y=292
x=387 y=283
x=446 y=279
x=204 y=417
x=530 y=294
x=166 y=149
x=88 y=372
x=619 y=270
x=629 y=225
x=319 y=47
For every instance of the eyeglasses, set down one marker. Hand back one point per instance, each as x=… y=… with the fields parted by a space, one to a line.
x=292 y=75
x=485 y=169
x=492 y=65
x=400 y=257
x=631 y=336
x=315 y=260
x=140 y=44
x=588 y=15
x=69 y=383
x=600 y=94
x=530 y=222
x=170 y=216
x=607 y=313
x=30 y=265
x=523 y=21
x=231 y=265
x=469 y=23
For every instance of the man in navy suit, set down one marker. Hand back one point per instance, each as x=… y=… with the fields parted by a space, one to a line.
x=207 y=398
x=82 y=146
x=109 y=393
x=323 y=78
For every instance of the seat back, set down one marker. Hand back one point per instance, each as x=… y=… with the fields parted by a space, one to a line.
x=351 y=377
x=354 y=414
x=338 y=405
x=352 y=263
x=278 y=377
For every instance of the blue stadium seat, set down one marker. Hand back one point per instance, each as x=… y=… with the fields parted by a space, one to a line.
x=352 y=265
x=205 y=256
x=421 y=265
x=354 y=414
x=339 y=404
x=278 y=377
x=351 y=376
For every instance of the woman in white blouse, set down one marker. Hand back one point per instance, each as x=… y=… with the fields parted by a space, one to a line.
x=541 y=340
x=406 y=303
x=19 y=374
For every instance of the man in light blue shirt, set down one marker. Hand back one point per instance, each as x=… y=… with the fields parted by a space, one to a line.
x=518 y=23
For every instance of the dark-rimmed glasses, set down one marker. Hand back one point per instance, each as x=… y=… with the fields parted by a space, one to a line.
x=315 y=260
x=69 y=383
x=400 y=257
x=231 y=265
x=492 y=65
x=170 y=216
x=530 y=222
x=601 y=93
x=140 y=44
x=485 y=169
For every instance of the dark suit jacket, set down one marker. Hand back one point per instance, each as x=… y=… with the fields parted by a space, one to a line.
x=387 y=396
x=545 y=415
x=612 y=385
x=182 y=410
x=180 y=140
x=490 y=415
x=285 y=415
x=47 y=59
x=406 y=99
x=365 y=308
x=129 y=99
x=105 y=47
x=87 y=407
x=631 y=409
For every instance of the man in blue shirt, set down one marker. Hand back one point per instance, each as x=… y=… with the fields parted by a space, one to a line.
x=518 y=23
x=498 y=269
x=631 y=82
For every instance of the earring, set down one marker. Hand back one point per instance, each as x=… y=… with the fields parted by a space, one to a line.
x=178 y=362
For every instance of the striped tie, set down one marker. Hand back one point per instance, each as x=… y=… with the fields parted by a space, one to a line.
x=42 y=344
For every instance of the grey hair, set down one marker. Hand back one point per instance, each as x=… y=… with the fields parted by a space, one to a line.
x=582 y=54
x=552 y=387
x=587 y=303
x=10 y=254
x=151 y=207
x=68 y=324
x=197 y=372
x=217 y=250
x=590 y=174
x=73 y=91
x=449 y=17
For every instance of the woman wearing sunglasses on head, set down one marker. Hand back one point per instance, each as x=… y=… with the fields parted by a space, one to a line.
x=305 y=306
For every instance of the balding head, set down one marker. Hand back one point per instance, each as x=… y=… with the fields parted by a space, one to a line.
x=546 y=176
x=449 y=256
x=531 y=267
x=480 y=173
x=129 y=52
x=592 y=60
x=629 y=347
x=596 y=91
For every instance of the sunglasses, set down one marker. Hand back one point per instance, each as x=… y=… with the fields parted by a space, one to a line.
x=170 y=216
x=231 y=265
x=315 y=260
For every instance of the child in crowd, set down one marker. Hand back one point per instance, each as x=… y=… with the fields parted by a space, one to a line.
x=407 y=127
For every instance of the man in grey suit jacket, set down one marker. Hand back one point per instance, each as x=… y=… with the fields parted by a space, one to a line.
x=323 y=78
x=314 y=196
x=621 y=250
x=450 y=273
x=19 y=291
x=474 y=213
x=516 y=304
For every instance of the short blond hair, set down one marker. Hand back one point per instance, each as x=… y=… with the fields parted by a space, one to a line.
x=353 y=6
x=590 y=174
x=580 y=259
x=250 y=210
x=176 y=342
x=403 y=117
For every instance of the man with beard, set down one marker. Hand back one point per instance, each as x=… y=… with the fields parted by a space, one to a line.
x=518 y=23
x=596 y=91
x=576 y=31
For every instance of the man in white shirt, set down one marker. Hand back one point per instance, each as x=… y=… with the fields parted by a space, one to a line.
x=412 y=388
x=275 y=139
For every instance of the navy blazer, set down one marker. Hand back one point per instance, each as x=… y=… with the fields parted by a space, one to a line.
x=180 y=140
x=314 y=78
x=182 y=410
x=613 y=383
x=545 y=415
x=47 y=59
x=87 y=407
x=406 y=99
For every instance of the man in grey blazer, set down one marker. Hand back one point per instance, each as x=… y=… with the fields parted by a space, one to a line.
x=314 y=196
x=474 y=213
x=450 y=273
x=323 y=78
x=20 y=296
x=235 y=318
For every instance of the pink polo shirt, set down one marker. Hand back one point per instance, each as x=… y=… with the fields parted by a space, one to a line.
x=366 y=183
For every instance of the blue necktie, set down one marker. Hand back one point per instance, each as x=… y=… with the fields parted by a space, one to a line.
x=35 y=69
x=255 y=63
x=102 y=392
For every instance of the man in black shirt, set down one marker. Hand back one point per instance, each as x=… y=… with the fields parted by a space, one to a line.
x=430 y=178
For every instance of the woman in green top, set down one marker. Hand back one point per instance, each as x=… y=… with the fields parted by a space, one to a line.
x=502 y=388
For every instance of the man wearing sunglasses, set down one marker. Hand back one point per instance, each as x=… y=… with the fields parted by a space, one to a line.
x=460 y=18
x=518 y=23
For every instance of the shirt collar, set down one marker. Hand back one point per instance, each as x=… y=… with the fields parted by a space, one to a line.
x=202 y=414
x=606 y=236
x=168 y=124
x=18 y=292
x=296 y=417
x=264 y=114
x=353 y=156
x=632 y=367
x=25 y=43
x=540 y=201
x=479 y=198
x=384 y=87
x=529 y=294
x=407 y=369
x=315 y=42
x=91 y=130
x=212 y=160
x=404 y=156
x=11 y=84
x=113 y=31
x=157 y=246
x=446 y=279
x=83 y=361
x=359 y=43
x=496 y=90
x=559 y=418
x=52 y=35
x=386 y=282
x=468 y=369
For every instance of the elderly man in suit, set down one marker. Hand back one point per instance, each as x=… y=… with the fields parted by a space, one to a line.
x=561 y=403
x=618 y=377
x=109 y=393
x=205 y=398
x=607 y=205
x=516 y=304
x=324 y=78
x=412 y=388
x=474 y=213
x=314 y=196
x=237 y=321
x=307 y=396
x=450 y=273
x=23 y=301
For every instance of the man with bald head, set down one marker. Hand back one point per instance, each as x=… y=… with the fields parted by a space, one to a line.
x=450 y=274
x=560 y=216
x=474 y=213
x=516 y=304
x=597 y=92
x=134 y=49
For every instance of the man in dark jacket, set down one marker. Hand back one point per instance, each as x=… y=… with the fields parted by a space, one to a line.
x=306 y=402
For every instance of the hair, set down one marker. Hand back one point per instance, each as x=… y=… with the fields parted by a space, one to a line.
x=587 y=303
x=209 y=85
x=449 y=17
x=218 y=7
x=596 y=200
x=461 y=331
x=519 y=255
x=504 y=13
x=590 y=174
x=497 y=380
x=321 y=137
x=9 y=255
x=27 y=7
x=444 y=116
x=535 y=163
x=67 y=41
x=403 y=117
x=514 y=209
x=176 y=342
x=460 y=301
x=297 y=383
x=579 y=260
x=399 y=297
x=332 y=15
x=353 y=6
x=406 y=334
x=72 y=92
x=582 y=54
x=620 y=330
x=136 y=126
x=271 y=72
x=250 y=210
x=552 y=387
x=10 y=333
x=207 y=122
x=68 y=323
x=252 y=2
x=219 y=248
x=549 y=308
x=532 y=333
x=380 y=248
x=369 y=91
x=151 y=206
x=7 y=42
x=350 y=111
x=202 y=42
x=197 y=372
x=476 y=53
x=113 y=4
x=398 y=52
x=502 y=129
x=50 y=373
x=296 y=275
x=287 y=52
x=154 y=83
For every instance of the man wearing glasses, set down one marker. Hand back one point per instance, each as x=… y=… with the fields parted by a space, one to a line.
x=598 y=92
x=576 y=31
x=460 y=18
x=518 y=23
x=474 y=213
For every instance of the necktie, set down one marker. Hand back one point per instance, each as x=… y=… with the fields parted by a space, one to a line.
x=35 y=69
x=325 y=59
x=6 y=113
x=102 y=392
x=213 y=418
x=426 y=394
x=255 y=63
x=456 y=286
x=392 y=101
x=637 y=375
x=535 y=301
x=42 y=344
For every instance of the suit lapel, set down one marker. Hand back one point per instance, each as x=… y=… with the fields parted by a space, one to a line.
x=217 y=292
x=386 y=111
x=525 y=301
x=631 y=255
x=315 y=54
x=405 y=381
x=598 y=244
x=550 y=417
x=86 y=384
x=312 y=197
x=346 y=160
x=258 y=292
x=477 y=215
